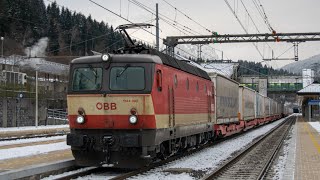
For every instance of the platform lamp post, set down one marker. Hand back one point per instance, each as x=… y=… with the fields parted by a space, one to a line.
x=5 y=61
x=37 y=99
x=36 y=123
x=2 y=38
x=252 y=83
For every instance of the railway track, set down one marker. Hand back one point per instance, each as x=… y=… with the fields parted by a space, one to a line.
x=72 y=172
x=254 y=161
x=125 y=175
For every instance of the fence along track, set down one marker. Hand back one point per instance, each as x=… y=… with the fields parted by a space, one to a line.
x=254 y=161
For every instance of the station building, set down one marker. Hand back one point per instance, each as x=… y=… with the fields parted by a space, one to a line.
x=310 y=98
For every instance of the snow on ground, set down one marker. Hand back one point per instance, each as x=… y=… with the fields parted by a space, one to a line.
x=315 y=125
x=25 y=128
x=67 y=173
x=103 y=176
x=31 y=150
x=284 y=167
x=209 y=158
x=23 y=141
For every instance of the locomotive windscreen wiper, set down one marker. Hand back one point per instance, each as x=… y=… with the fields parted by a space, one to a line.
x=94 y=73
x=125 y=68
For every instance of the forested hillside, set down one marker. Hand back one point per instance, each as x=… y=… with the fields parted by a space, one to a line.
x=24 y=22
x=254 y=68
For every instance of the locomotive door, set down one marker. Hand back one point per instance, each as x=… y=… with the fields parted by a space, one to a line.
x=171 y=106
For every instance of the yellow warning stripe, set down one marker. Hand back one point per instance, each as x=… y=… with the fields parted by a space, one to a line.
x=313 y=139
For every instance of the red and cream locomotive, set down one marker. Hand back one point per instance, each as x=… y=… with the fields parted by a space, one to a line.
x=134 y=106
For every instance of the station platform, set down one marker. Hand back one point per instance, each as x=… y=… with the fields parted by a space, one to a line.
x=40 y=158
x=307 y=164
x=23 y=162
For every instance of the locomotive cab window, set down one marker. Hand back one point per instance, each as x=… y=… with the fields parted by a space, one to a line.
x=87 y=79
x=127 y=78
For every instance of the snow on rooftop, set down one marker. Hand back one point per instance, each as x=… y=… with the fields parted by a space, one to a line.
x=35 y=63
x=225 y=69
x=312 y=88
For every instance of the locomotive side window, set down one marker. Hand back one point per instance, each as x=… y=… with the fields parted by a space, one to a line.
x=197 y=87
x=127 y=78
x=87 y=79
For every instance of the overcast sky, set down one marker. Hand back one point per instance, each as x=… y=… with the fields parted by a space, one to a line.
x=285 y=16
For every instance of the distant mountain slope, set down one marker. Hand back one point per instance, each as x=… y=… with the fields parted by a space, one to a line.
x=310 y=63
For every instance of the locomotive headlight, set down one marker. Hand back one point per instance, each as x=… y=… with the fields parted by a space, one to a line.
x=80 y=119
x=133 y=119
x=105 y=57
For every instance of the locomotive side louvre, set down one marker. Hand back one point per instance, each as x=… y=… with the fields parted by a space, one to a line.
x=226 y=99
x=247 y=103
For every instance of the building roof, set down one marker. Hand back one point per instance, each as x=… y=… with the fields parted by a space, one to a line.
x=312 y=89
x=151 y=56
x=226 y=69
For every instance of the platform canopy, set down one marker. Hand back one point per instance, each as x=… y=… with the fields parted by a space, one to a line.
x=312 y=89
x=310 y=102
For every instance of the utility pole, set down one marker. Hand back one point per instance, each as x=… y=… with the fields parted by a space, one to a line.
x=199 y=51
x=157 y=27
x=296 y=51
x=36 y=123
x=2 y=39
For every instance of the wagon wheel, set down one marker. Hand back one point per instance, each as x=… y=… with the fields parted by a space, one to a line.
x=163 y=154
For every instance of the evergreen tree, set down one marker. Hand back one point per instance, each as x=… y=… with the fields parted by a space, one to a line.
x=24 y=22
